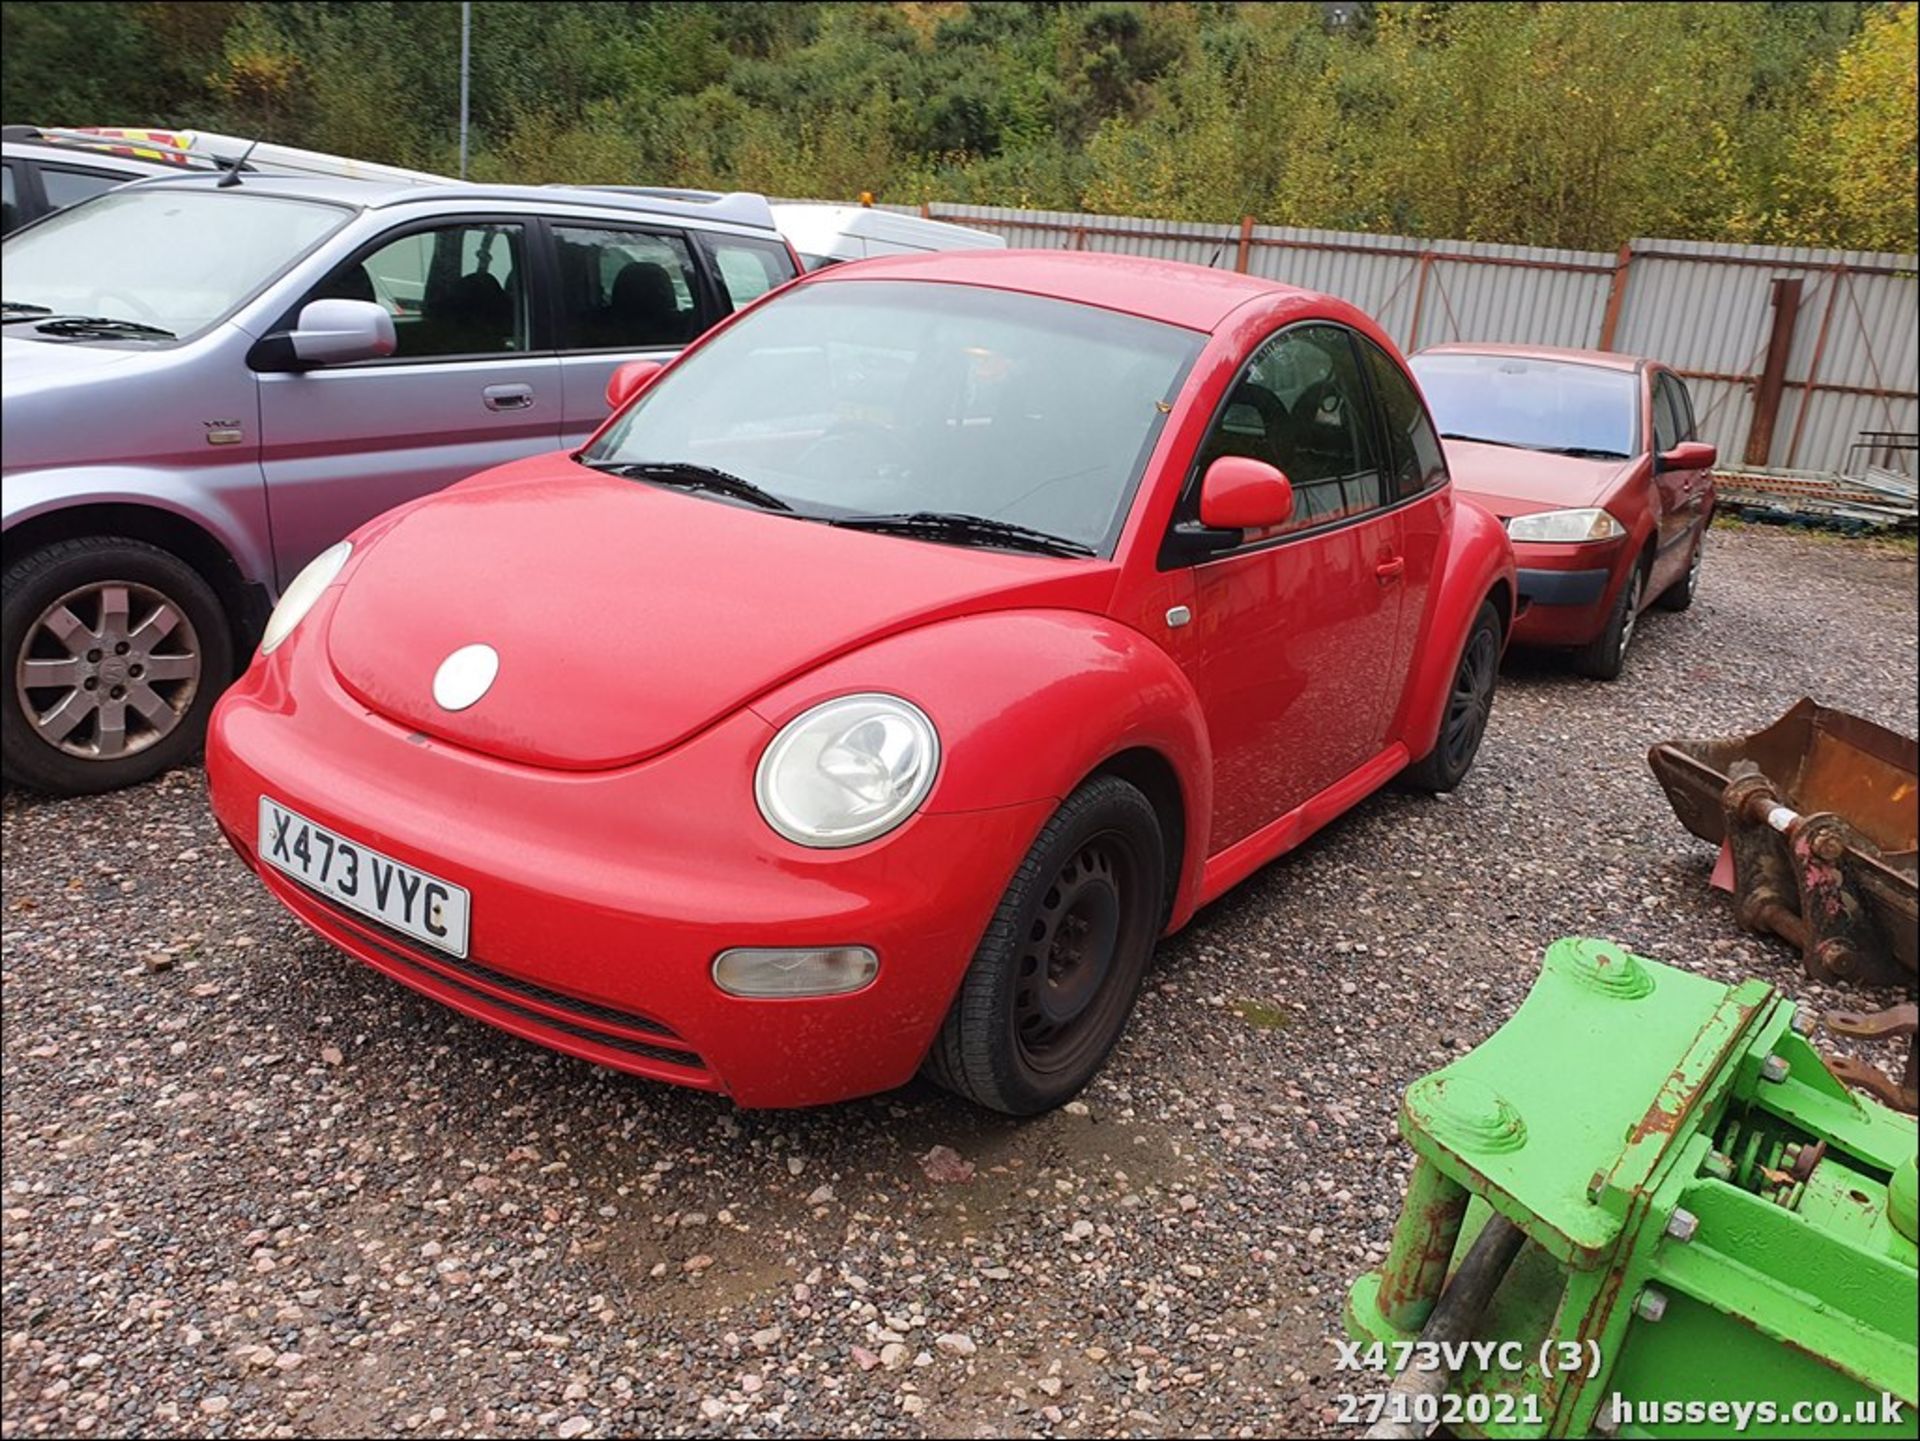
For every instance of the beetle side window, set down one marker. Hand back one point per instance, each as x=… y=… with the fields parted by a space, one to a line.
x=1415 y=461
x=624 y=289
x=746 y=269
x=456 y=290
x=1301 y=405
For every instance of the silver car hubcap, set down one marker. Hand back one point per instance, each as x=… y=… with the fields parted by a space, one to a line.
x=1637 y=584
x=108 y=670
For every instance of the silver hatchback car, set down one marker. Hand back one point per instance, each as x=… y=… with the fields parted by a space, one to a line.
x=209 y=380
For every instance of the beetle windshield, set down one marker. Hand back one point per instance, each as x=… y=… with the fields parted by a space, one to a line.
x=1555 y=405
x=172 y=261
x=884 y=397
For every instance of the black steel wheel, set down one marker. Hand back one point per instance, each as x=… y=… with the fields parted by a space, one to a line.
x=1055 y=977
x=1463 y=724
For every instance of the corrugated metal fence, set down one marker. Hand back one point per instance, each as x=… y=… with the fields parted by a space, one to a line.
x=1796 y=358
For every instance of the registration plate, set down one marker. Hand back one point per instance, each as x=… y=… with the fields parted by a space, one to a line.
x=428 y=909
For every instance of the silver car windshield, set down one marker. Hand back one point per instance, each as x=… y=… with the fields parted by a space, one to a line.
x=849 y=398
x=175 y=261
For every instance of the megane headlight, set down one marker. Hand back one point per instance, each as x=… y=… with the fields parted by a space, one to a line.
x=848 y=770
x=1566 y=525
x=299 y=597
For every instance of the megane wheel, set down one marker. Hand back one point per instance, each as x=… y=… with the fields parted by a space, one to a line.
x=115 y=651
x=1055 y=978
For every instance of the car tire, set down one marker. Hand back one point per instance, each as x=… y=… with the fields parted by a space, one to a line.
x=120 y=642
x=1606 y=655
x=1054 y=979
x=1476 y=676
x=1679 y=595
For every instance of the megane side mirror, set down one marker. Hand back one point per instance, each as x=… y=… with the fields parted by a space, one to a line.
x=1690 y=455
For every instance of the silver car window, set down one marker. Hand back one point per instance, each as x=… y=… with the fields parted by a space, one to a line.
x=178 y=260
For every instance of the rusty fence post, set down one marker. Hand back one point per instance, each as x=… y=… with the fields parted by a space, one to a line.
x=1422 y=1246
x=1837 y=278
x=1246 y=244
x=1616 y=297
x=1773 y=373
x=1419 y=302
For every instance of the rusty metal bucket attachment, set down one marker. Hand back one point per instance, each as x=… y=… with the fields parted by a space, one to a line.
x=1819 y=814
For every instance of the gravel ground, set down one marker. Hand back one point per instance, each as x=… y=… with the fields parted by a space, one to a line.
x=252 y=1188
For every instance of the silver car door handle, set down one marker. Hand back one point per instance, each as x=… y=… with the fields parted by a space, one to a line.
x=507 y=397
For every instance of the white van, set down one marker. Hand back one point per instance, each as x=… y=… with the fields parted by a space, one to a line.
x=828 y=234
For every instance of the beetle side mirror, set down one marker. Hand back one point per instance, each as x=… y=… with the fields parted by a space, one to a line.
x=1690 y=455
x=1237 y=494
x=629 y=380
x=333 y=332
x=1240 y=493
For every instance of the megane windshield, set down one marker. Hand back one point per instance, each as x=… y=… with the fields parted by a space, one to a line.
x=1553 y=405
x=955 y=413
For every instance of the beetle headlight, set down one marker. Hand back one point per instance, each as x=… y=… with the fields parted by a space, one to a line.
x=1566 y=525
x=848 y=770
x=299 y=597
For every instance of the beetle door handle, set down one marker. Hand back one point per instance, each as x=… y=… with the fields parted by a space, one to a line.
x=1390 y=569
x=508 y=397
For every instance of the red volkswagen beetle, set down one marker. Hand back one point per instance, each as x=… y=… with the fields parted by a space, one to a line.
x=879 y=684
x=1593 y=463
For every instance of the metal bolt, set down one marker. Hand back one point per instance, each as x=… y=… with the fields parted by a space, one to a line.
x=1682 y=1224
x=1650 y=1305
x=1775 y=1068
x=1597 y=1186
x=1803 y=1021
x=1829 y=847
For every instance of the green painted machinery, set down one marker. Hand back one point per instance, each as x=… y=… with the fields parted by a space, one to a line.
x=1708 y=1216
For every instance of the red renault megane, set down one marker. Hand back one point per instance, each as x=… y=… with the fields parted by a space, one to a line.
x=881 y=681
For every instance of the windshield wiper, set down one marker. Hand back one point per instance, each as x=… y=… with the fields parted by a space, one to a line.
x=1582 y=452
x=1483 y=440
x=21 y=310
x=693 y=477
x=964 y=530
x=103 y=327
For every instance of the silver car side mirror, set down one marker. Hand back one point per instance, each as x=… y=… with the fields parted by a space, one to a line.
x=331 y=332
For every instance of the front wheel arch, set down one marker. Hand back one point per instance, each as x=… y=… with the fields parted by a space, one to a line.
x=246 y=603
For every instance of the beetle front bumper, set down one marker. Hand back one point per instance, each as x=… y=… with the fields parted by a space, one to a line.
x=599 y=900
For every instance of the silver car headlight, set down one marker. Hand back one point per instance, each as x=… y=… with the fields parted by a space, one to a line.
x=1566 y=525
x=848 y=770
x=298 y=598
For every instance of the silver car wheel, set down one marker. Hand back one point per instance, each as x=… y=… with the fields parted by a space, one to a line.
x=108 y=670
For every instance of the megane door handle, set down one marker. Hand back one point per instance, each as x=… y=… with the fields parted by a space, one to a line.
x=507 y=397
x=1391 y=569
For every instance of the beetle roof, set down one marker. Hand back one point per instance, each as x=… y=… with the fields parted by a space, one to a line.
x=1193 y=296
x=1611 y=359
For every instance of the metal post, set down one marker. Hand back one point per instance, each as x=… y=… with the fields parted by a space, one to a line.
x=1834 y=282
x=1246 y=244
x=1422 y=1247
x=1419 y=303
x=1773 y=374
x=466 y=67
x=1616 y=294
